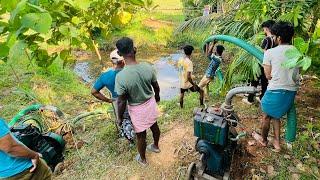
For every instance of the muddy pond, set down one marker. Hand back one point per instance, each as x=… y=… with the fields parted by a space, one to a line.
x=167 y=74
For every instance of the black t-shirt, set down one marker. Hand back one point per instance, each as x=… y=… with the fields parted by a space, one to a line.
x=268 y=43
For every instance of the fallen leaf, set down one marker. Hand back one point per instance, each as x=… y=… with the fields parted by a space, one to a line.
x=315 y=169
x=295 y=177
x=256 y=177
x=251 y=142
x=270 y=170
x=301 y=167
x=286 y=156
x=292 y=169
x=263 y=171
x=312 y=160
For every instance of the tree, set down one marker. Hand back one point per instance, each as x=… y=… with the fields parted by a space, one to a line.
x=28 y=27
x=242 y=19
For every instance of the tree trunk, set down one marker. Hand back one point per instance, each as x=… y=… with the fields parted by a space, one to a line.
x=98 y=53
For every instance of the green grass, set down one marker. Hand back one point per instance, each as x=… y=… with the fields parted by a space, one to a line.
x=55 y=85
x=168 y=4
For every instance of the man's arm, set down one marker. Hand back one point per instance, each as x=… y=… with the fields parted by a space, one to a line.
x=122 y=104
x=12 y=147
x=100 y=96
x=156 y=89
x=267 y=71
x=190 y=78
x=9 y=145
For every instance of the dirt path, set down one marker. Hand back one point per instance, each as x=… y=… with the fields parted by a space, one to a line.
x=169 y=144
x=172 y=144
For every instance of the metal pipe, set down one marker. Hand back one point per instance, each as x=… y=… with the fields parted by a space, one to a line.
x=239 y=90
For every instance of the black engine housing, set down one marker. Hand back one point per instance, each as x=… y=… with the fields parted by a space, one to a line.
x=45 y=144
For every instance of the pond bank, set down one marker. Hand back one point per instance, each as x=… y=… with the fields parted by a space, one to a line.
x=165 y=66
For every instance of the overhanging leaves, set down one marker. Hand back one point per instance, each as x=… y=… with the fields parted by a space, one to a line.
x=17 y=52
x=9 y=5
x=4 y=51
x=301 y=45
x=40 y=22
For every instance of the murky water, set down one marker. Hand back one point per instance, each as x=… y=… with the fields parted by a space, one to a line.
x=82 y=69
x=167 y=74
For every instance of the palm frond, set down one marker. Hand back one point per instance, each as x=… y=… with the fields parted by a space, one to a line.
x=244 y=68
x=198 y=23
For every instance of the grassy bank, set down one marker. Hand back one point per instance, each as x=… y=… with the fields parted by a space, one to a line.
x=24 y=84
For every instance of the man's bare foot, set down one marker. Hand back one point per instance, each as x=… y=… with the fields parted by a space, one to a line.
x=141 y=161
x=276 y=145
x=259 y=139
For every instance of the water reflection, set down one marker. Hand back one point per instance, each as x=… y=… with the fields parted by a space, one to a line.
x=167 y=74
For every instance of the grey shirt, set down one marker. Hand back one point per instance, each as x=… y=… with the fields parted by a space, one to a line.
x=282 y=78
x=136 y=82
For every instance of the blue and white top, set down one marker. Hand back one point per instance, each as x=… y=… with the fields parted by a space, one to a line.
x=213 y=66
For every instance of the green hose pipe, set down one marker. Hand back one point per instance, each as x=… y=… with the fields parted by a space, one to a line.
x=238 y=42
x=23 y=112
x=291 y=128
x=84 y=115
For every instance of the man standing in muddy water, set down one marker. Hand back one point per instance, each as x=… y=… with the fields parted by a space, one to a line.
x=137 y=84
x=185 y=68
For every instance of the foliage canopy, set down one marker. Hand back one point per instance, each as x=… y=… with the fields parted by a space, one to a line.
x=29 y=27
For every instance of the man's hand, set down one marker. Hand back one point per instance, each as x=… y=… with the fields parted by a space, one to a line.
x=195 y=87
x=156 y=90
x=157 y=98
x=120 y=122
x=35 y=162
x=100 y=96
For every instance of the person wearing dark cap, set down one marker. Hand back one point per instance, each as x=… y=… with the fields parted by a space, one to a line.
x=185 y=68
x=137 y=85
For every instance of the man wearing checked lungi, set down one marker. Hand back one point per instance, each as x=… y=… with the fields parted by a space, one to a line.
x=137 y=84
x=283 y=84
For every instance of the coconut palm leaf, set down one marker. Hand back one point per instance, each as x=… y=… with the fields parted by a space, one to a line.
x=198 y=23
x=245 y=67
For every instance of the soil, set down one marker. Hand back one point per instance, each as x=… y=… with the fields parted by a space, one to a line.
x=156 y=24
x=175 y=145
x=169 y=144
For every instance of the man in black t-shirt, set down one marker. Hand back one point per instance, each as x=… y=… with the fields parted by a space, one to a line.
x=267 y=43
